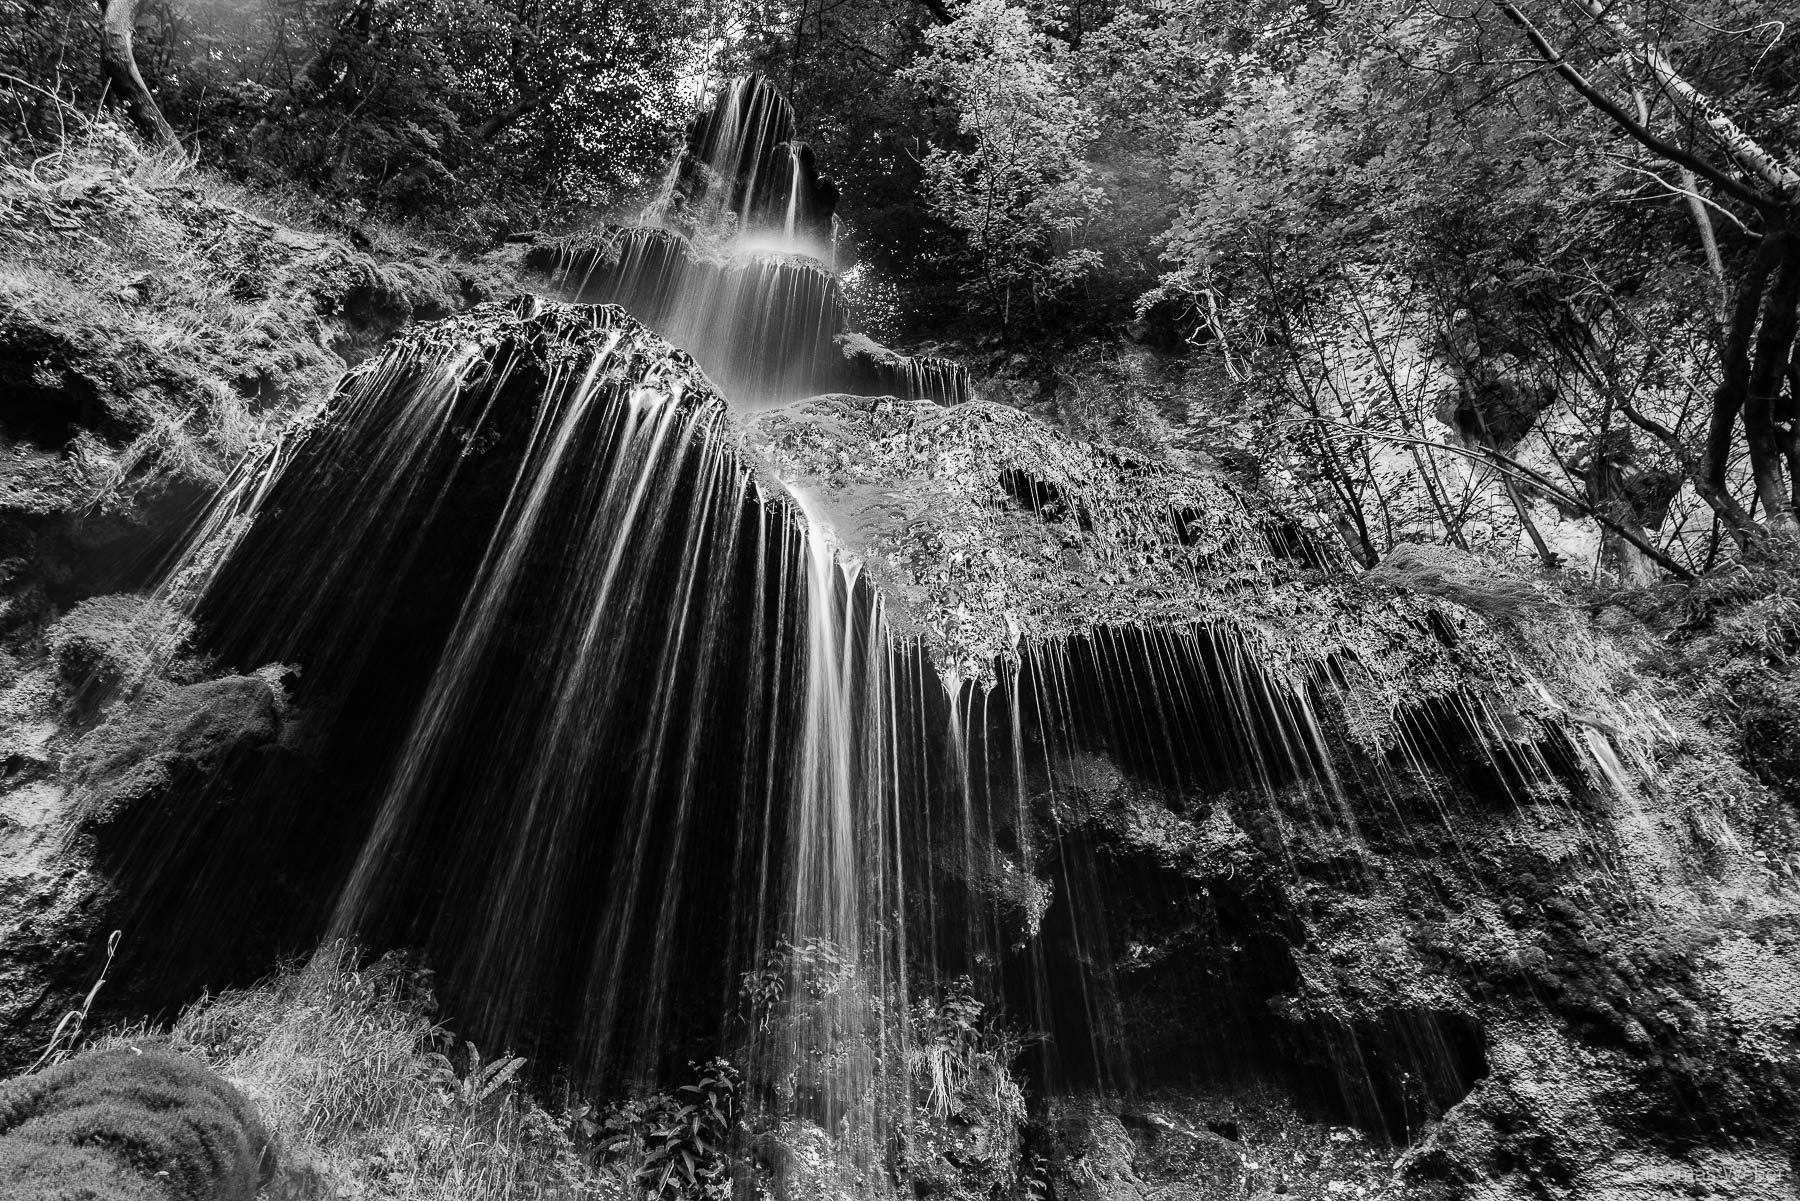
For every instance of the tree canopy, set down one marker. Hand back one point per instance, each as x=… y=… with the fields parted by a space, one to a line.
x=1500 y=273
x=473 y=113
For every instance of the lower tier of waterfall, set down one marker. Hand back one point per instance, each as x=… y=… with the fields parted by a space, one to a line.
x=797 y=736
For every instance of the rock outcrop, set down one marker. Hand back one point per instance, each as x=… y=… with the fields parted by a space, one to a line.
x=1512 y=898
x=151 y=337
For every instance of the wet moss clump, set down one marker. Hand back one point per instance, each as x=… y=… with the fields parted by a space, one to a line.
x=131 y=1124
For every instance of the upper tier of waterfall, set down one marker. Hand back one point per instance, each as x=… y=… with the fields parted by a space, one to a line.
x=735 y=263
x=744 y=168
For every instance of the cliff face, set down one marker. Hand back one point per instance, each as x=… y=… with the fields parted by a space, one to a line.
x=1500 y=889
x=1424 y=881
x=153 y=332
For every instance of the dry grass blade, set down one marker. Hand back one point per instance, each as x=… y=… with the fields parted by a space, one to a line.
x=68 y=1030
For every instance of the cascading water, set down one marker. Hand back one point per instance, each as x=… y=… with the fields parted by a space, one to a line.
x=732 y=265
x=796 y=187
x=605 y=723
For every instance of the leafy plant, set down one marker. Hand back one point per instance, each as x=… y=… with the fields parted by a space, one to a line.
x=814 y=966
x=675 y=1146
x=483 y=1081
x=961 y=1056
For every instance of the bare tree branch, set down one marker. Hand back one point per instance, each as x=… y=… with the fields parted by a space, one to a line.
x=1630 y=125
x=1537 y=479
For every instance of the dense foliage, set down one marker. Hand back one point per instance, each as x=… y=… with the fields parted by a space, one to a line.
x=1021 y=185
x=469 y=116
x=1496 y=273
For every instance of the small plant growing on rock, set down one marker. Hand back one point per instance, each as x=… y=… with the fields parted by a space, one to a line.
x=966 y=1135
x=956 y=1046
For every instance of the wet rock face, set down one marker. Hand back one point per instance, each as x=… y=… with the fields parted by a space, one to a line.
x=487 y=434
x=148 y=752
x=1422 y=858
x=104 y=746
x=1469 y=980
x=871 y=369
x=1424 y=849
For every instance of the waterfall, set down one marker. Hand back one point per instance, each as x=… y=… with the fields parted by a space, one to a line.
x=731 y=264
x=612 y=725
x=796 y=183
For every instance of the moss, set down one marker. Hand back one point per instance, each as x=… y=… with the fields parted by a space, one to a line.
x=130 y=1124
x=146 y=748
x=108 y=642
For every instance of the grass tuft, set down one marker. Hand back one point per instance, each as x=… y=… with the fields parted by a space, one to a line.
x=361 y=1088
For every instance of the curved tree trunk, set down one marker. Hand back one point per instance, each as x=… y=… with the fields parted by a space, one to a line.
x=1769 y=425
x=125 y=87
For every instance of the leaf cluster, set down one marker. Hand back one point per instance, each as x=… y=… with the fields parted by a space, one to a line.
x=676 y=1146
x=469 y=116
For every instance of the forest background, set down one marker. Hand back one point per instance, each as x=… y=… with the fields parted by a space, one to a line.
x=1517 y=276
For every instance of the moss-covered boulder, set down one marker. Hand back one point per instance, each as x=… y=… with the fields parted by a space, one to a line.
x=108 y=642
x=131 y=1124
x=149 y=747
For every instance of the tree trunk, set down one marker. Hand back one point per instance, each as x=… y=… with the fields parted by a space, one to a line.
x=1734 y=356
x=1709 y=241
x=1770 y=433
x=1545 y=555
x=125 y=89
x=1700 y=108
x=1620 y=545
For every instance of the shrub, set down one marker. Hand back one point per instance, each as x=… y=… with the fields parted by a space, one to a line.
x=677 y=1146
